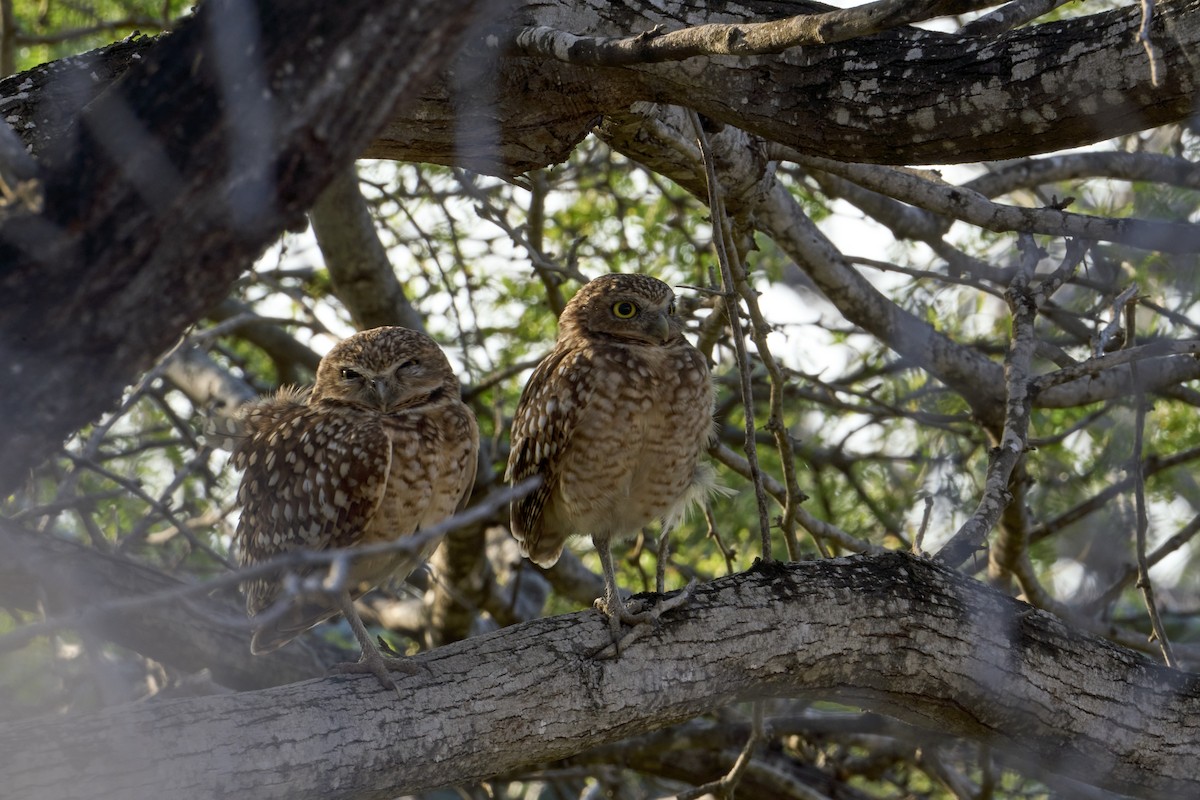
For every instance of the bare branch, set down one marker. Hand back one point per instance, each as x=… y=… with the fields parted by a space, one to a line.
x=749 y=39
x=1010 y=16
x=1152 y=53
x=1023 y=301
x=289 y=561
x=726 y=254
x=363 y=277
x=970 y=206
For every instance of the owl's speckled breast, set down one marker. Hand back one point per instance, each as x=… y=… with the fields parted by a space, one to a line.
x=636 y=462
x=431 y=470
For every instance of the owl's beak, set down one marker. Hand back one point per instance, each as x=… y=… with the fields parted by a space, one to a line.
x=662 y=327
x=380 y=385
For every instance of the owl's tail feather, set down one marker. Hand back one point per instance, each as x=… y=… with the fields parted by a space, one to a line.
x=295 y=621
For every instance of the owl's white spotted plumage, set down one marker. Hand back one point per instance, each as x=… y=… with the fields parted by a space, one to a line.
x=381 y=447
x=615 y=421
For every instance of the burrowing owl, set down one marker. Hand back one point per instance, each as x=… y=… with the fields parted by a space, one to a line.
x=382 y=447
x=615 y=421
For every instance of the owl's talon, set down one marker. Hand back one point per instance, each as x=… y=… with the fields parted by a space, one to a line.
x=641 y=621
x=380 y=666
x=372 y=660
x=387 y=663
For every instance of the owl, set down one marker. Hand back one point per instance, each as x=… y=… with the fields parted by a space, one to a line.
x=615 y=422
x=381 y=447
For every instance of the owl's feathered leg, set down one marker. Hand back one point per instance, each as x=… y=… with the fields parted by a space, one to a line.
x=641 y=620
x=372 y=660
x=612 y=604
x=660 y=566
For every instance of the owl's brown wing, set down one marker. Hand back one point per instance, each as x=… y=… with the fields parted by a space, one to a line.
x=547 y=413
x=312 y=479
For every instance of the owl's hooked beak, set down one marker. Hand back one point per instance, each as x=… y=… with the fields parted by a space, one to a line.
x=662 y=327
x=383 y=392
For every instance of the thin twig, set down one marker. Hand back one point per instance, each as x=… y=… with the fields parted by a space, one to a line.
x=920 y=537
x=161 y=507
x=818 y=528
x=1139 y=494
x=1152 y=53
x=1178 y=540
x=720 y=221
x=759 y=330
x=1105 y=335
x=728 y=553
x=726 y=785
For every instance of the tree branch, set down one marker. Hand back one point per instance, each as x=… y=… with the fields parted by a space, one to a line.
x=905 y=96
x=749 y=39
x=893 y=633
x=188 y=633
x=363 y=276
x=960 y=202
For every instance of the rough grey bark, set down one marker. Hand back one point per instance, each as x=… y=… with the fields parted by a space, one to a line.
x=176 y=178
x=902 y=97
x=890 y=632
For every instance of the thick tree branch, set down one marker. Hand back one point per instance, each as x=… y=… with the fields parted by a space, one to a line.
x=186 y=633
x=901 y=97
x=890 y=632
x=218 y=138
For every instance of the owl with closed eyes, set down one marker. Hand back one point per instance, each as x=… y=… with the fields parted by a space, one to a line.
x=381 y=448
x=615 y=421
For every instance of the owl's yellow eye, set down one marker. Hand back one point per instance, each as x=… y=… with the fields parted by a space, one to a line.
x=625 y=310
x=349 y=374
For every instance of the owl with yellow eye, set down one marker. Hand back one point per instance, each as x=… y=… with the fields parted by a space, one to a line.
x=615 y=421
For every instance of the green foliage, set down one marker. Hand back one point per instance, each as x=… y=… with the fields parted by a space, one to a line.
x=47 y=30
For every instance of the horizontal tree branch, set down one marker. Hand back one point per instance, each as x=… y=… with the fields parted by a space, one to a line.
x=186 y=633
x=1153 y=375
x=904 y=96
x=1028 y=173
x=890 y=632
x=749 y=39
x=968 y=205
